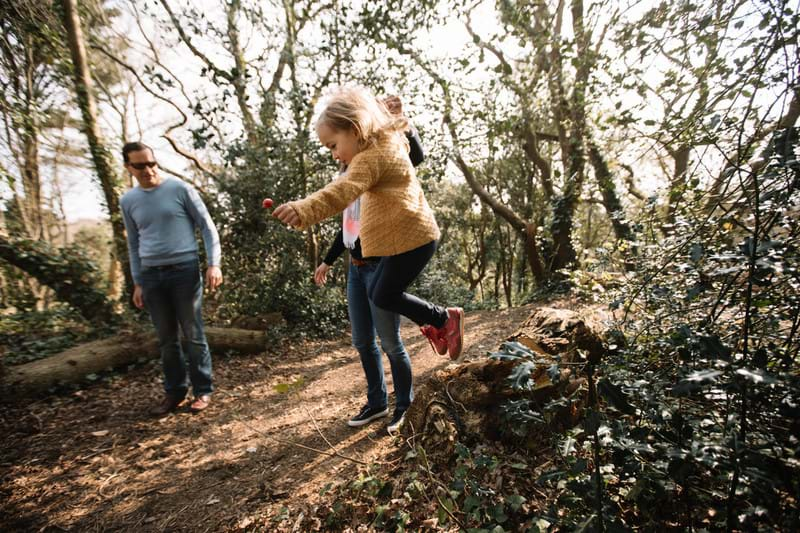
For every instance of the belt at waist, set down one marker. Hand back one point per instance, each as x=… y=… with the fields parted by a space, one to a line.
x=361 y=262
x=175 y=266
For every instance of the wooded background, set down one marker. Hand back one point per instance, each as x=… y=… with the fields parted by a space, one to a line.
x=639 y=154
x=542 y=130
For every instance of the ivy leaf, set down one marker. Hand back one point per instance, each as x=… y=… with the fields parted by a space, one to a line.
x=757 y=377
x=472 y=502
x=712 y=347
x=695 y=381
x=680 y=469
x=696 y=252
x=520 y=376
x=554 y=373
x=517 y=349
x=579 y=466
x=568 y=447
x=515 y=501
x=551 y=475
x=615 y=396
x=512 y=350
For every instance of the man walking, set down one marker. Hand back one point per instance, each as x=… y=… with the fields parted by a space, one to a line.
x=160 y=216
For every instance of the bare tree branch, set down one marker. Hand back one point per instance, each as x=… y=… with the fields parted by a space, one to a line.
x=166 y=135
x=188 y=42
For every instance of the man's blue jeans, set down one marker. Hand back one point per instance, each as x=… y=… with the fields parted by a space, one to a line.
x=174 y=296
x=365 y=320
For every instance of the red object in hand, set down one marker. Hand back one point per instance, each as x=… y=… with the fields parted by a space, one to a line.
x=267 y=203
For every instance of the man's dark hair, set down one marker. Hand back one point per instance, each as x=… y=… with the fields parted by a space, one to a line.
x=133 y=147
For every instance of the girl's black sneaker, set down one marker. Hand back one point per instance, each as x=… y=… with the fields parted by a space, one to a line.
x=367 y=415
x=396 y=422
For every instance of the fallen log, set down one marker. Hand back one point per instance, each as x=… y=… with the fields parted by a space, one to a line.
x=75 y=364
x=467 y=402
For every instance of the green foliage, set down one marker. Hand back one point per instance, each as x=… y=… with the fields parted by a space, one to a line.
x=412 y=498
x=270 y=263
x=31 y=335
x=436 y=283
x=709 y=373
x=96 y=243
x=68 y=271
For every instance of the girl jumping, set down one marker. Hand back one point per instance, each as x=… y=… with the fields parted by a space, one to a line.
x=397 y=225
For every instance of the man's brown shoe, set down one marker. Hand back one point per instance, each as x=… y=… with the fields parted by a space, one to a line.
x=200 y=403
x=167 y=405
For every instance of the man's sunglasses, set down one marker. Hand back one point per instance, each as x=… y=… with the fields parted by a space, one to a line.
x=142 y=166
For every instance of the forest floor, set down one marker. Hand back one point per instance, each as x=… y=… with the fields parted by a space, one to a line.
x=95 y=460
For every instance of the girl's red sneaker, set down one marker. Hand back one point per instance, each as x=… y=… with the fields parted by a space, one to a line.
x=454 y=332
x=436 y=338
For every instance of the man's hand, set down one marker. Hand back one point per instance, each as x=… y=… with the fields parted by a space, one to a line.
x=287 y=214
x=321 y=274
x=138 y=301
x=213 y=278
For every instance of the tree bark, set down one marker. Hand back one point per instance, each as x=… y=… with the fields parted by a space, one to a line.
x=239 y=79
x=570 y=112
x=103 y=162
x=30 y=141
x=532 y=253
x=608 y=191
x=73 y=365
x=677 y=187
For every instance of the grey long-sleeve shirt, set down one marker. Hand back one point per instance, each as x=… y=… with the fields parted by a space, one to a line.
x=161 y=222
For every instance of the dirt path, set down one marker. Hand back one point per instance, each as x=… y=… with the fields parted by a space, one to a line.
x=95 y=461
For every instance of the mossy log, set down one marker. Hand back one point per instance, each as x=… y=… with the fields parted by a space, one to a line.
x=465 y=402
x=75 y=364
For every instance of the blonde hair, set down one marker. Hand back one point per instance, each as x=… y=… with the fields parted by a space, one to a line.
x=356 y=108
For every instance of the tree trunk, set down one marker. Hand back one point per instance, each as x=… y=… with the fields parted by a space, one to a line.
x=569 y=111
x=73 y=365
x=239 y=79
x=103 y=162
x=564 y=253
x=678 y=185
x=72 y=277
x=608 y=191
x=30 y=171
x=532 y=252
x=521 y=263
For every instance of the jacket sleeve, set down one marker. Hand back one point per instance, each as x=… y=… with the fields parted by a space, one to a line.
x=362 y=174
x=336 y=249
x=415 y=151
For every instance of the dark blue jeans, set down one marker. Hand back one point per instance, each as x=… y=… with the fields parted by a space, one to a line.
x=365 y=319
x=174 y=296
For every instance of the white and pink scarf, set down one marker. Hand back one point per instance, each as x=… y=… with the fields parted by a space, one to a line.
x=351 y=223
x=351 y=220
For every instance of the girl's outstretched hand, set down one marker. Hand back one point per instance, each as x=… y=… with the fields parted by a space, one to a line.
x=287 y=214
